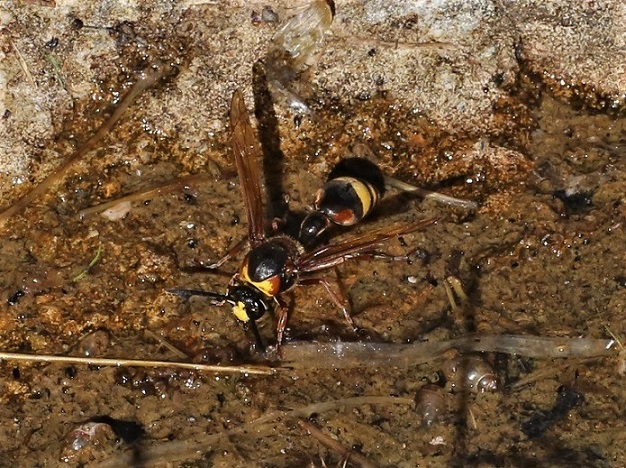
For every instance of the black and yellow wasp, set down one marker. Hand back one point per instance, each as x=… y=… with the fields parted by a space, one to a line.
x=276 y=263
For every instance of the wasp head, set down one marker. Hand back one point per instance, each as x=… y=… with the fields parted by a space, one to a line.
x=249 y=304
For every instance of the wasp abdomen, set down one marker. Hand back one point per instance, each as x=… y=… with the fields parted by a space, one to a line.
x=353 y=189
x=346 y=200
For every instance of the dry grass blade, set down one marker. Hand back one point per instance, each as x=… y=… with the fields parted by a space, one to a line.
x=401 y=45
x=143 y=195
x=23 y=64
x=92 y=264
x=48 y=358
x=332 y=444
x=150 y=76
x=189 y=449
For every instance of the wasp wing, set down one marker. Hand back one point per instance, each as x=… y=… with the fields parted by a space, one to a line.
x=247 y=158
x=329 y=255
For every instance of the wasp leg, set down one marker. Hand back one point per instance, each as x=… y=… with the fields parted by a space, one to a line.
x=233 y=251
x=282 y=323
x=437 y=196
x=257 y=336
x=339 y=301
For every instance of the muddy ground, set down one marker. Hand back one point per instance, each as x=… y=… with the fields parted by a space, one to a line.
x=541 y=151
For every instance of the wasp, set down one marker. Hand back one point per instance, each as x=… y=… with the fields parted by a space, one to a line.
x=277 y=262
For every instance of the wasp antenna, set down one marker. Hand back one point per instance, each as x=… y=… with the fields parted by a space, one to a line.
x=196 y=292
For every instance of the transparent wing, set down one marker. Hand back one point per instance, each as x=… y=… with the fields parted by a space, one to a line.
x=329 y=255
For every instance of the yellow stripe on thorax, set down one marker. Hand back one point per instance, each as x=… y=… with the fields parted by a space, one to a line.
x=267 y=287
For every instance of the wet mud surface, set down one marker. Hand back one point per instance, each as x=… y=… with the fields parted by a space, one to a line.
x=542 y=255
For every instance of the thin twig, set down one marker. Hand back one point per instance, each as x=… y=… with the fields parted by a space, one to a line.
x=143 y=195
x=557 y=369
x=450 y=296
x=472 y=419
x=166 y=344
x=335 y=446
x=615 y=337
x=188 y=449
x=23 y=64
x=120 y=362
x=150 y=76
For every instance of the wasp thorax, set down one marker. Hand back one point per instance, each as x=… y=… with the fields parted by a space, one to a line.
x=269 y=267
x=248 y=303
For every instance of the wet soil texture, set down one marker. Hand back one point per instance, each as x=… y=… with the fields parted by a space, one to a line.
x=483 y=101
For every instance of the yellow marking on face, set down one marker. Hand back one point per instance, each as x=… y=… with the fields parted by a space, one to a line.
x=239 y=309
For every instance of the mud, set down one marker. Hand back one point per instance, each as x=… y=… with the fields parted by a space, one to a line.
x=542 y=255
